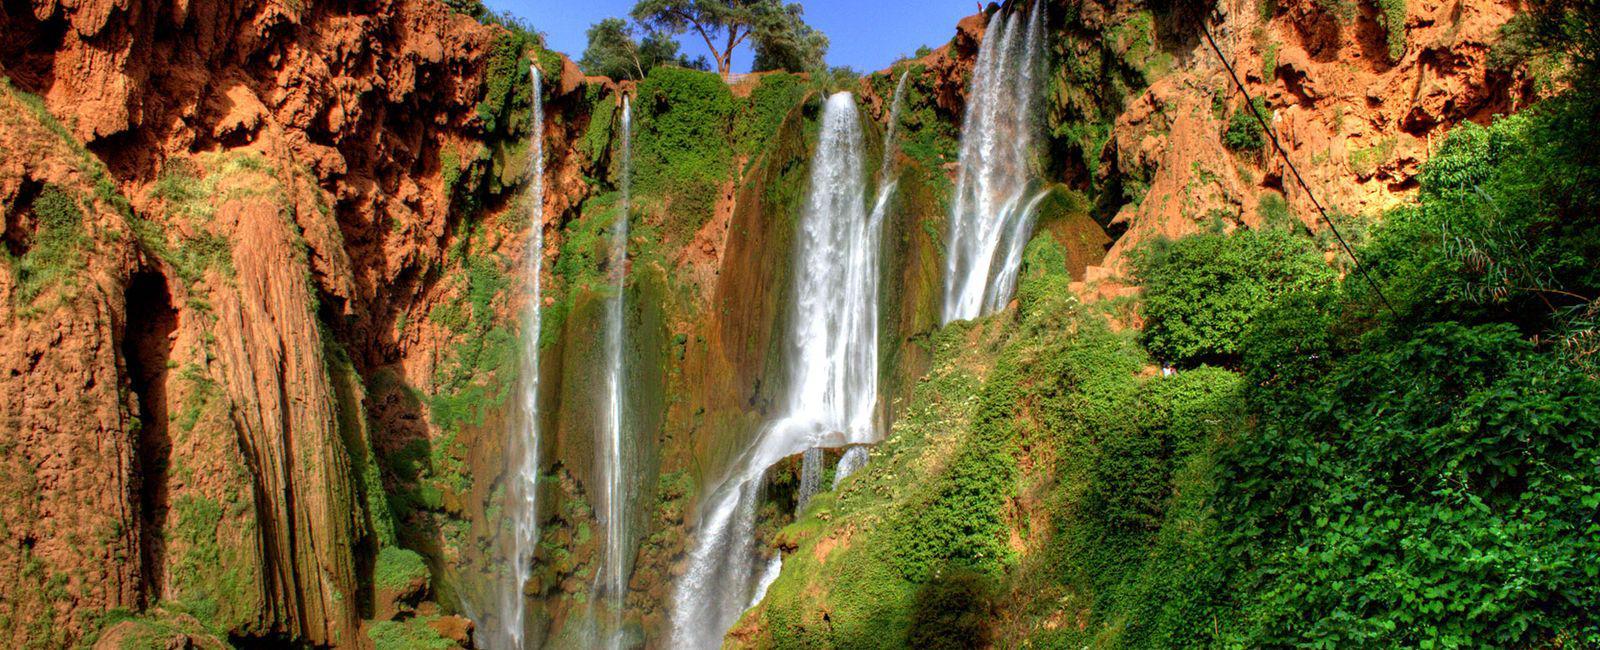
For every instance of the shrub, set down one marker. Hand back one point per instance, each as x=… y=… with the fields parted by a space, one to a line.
x=1244 y=133
x=681 y=144
x=1201 y=292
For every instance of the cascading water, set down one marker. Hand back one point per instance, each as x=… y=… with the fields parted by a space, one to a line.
x=831 y=392
x=992 y=215
x=523 y=490
x=611 y=581
x=856 y=455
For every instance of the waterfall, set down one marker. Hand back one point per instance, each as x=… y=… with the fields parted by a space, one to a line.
x=856 y=455
x=992 y=214
x=523 y=491
x=611 y=580
x=830 y=393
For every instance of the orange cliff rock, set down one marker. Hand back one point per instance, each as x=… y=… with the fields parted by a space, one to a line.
x=1356 y=124
x=170 y=428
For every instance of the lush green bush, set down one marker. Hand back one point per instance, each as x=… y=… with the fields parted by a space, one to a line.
x=1244 y=133
x=397 y=568
x=1426 y=475
x=682 y=149
x=763 y=112
x=1201 y=292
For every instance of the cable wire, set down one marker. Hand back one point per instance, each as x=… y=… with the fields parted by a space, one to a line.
x=1273 y=136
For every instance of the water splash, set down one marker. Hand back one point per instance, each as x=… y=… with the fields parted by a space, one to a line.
x=611 y=580
x=523 y=490
x=996 y=194
x=831 y=392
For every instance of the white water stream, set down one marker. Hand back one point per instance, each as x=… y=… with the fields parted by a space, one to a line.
x=523 y=488
x=611 y=580
x=992 y=213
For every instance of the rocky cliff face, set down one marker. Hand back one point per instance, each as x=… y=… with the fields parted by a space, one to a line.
x=259 y=319
x=1357 y=92
x=211 y=210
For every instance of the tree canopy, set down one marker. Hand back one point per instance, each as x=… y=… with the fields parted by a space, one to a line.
x=613 y=51
x=777 y=31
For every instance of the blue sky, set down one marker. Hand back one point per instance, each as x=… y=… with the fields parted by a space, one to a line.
x=867 y=35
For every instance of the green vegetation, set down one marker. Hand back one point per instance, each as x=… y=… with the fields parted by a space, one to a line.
x=398 y=568
x=758 y=118
x=1392 y=15
x=55 y=255
x=1269 y=60
x=681 y=145
x=613 y=51
x=411 y=634
x=213 y=577
x=506 y=108
x=1202 y=292
x=778 y=31
x=602 y=124
x=1244 y=133
x=1364 y=162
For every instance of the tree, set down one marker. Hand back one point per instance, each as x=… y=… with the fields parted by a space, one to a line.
x=614 y=52
x=780 y=35
x=789 y=43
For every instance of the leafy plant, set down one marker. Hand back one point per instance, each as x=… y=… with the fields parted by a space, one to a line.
x=1244 y=133
x=1202 y=292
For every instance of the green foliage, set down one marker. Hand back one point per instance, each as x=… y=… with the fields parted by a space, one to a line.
x=1201 y=292
x=1343 y=11
x=681 y=148
x=473 y=8
x=602 y=124
x=473 y=377
x=781 y=37
x=410 y=634
x=1244 y=133
x=54 y=254
x=1424 y=477
x=1276 y=214
x=783 y=41
x=758 y=120
x=1558 y=40
x=398 y=568
x=506 y=106
x=613 y=51
x=1269 y=61
x=1392 y=15
x=926 y=135
x=951 y=611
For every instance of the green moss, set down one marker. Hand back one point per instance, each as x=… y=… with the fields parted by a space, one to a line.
x=1364 y=162
x=760 y=115
x=597 y=137
x=682 y=147
x=1269 y=61
x=507 y=87
x=55 y=254
x=398 y=568
x=192 y=190
x=211 y=578
x=410 y=634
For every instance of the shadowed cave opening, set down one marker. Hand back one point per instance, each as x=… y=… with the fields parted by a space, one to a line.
x=147 y=349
